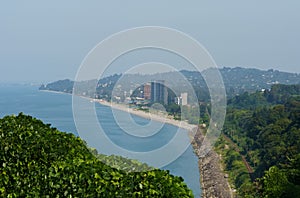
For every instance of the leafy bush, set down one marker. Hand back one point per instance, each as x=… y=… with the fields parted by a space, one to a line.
x=39 y=161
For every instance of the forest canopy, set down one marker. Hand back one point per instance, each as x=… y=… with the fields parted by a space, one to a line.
x=266 y=128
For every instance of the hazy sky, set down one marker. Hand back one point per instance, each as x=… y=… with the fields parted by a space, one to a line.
x=43 y=41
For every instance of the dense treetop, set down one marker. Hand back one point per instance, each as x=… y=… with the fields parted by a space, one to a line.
x=266 y=128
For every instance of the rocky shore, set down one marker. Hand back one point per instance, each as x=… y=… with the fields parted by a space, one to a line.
x=214 y=183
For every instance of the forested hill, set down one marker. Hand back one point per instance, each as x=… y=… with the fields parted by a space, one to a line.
x=278 y=94
x=237 y=81
x=265 y=126
x=39 y=161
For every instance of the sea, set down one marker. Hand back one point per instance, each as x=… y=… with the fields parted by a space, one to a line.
x=56 y=109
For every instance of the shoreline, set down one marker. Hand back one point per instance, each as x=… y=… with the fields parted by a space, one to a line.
x=212 y=180
x=147 y=115
x=160 y=117
x=57 y=92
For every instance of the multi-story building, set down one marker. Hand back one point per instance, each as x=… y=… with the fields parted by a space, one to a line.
x=184 y=98
x=159 y=92
x=147 y=91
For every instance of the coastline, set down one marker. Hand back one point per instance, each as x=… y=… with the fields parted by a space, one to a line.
x=212 y=180
x=57 y=92
x=146 y=115
x=149 y=115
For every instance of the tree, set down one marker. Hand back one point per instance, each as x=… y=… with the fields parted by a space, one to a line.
x=275 y=183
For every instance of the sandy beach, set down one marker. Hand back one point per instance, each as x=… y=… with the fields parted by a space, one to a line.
x=213 y=183
x=157 y=116
x=212 y=180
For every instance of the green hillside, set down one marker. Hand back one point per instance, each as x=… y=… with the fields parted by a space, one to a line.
x=39 y=161
x=265 y=130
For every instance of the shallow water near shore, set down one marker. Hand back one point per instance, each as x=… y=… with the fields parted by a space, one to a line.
x=56 y=109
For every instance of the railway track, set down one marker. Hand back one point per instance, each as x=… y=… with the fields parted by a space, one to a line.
x=237 y=149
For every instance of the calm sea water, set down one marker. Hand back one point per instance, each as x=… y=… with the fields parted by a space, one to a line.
x=56 y=109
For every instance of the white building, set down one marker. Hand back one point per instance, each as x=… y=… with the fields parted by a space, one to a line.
x=184 y=99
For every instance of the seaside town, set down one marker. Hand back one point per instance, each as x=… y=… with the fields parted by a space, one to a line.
x=142 y=99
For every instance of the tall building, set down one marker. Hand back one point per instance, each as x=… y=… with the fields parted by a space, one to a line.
x=159 y=92
x=147 y=91
x=184 y=100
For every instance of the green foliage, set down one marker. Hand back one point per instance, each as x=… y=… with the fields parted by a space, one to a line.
x=266 y=128
x=61 y=85
x=191 y=114
x=278 y=94
x=173 y=109
x=282 y=182
x=248 y=101
x=125 y=164
x=275 y=182
x=39 y=161
x=233 y=164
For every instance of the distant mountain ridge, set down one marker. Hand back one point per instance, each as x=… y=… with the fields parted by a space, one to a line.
x=236 y=80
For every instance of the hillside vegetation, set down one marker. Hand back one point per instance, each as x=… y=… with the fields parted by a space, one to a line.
x=39 y=161
x=265 y=126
